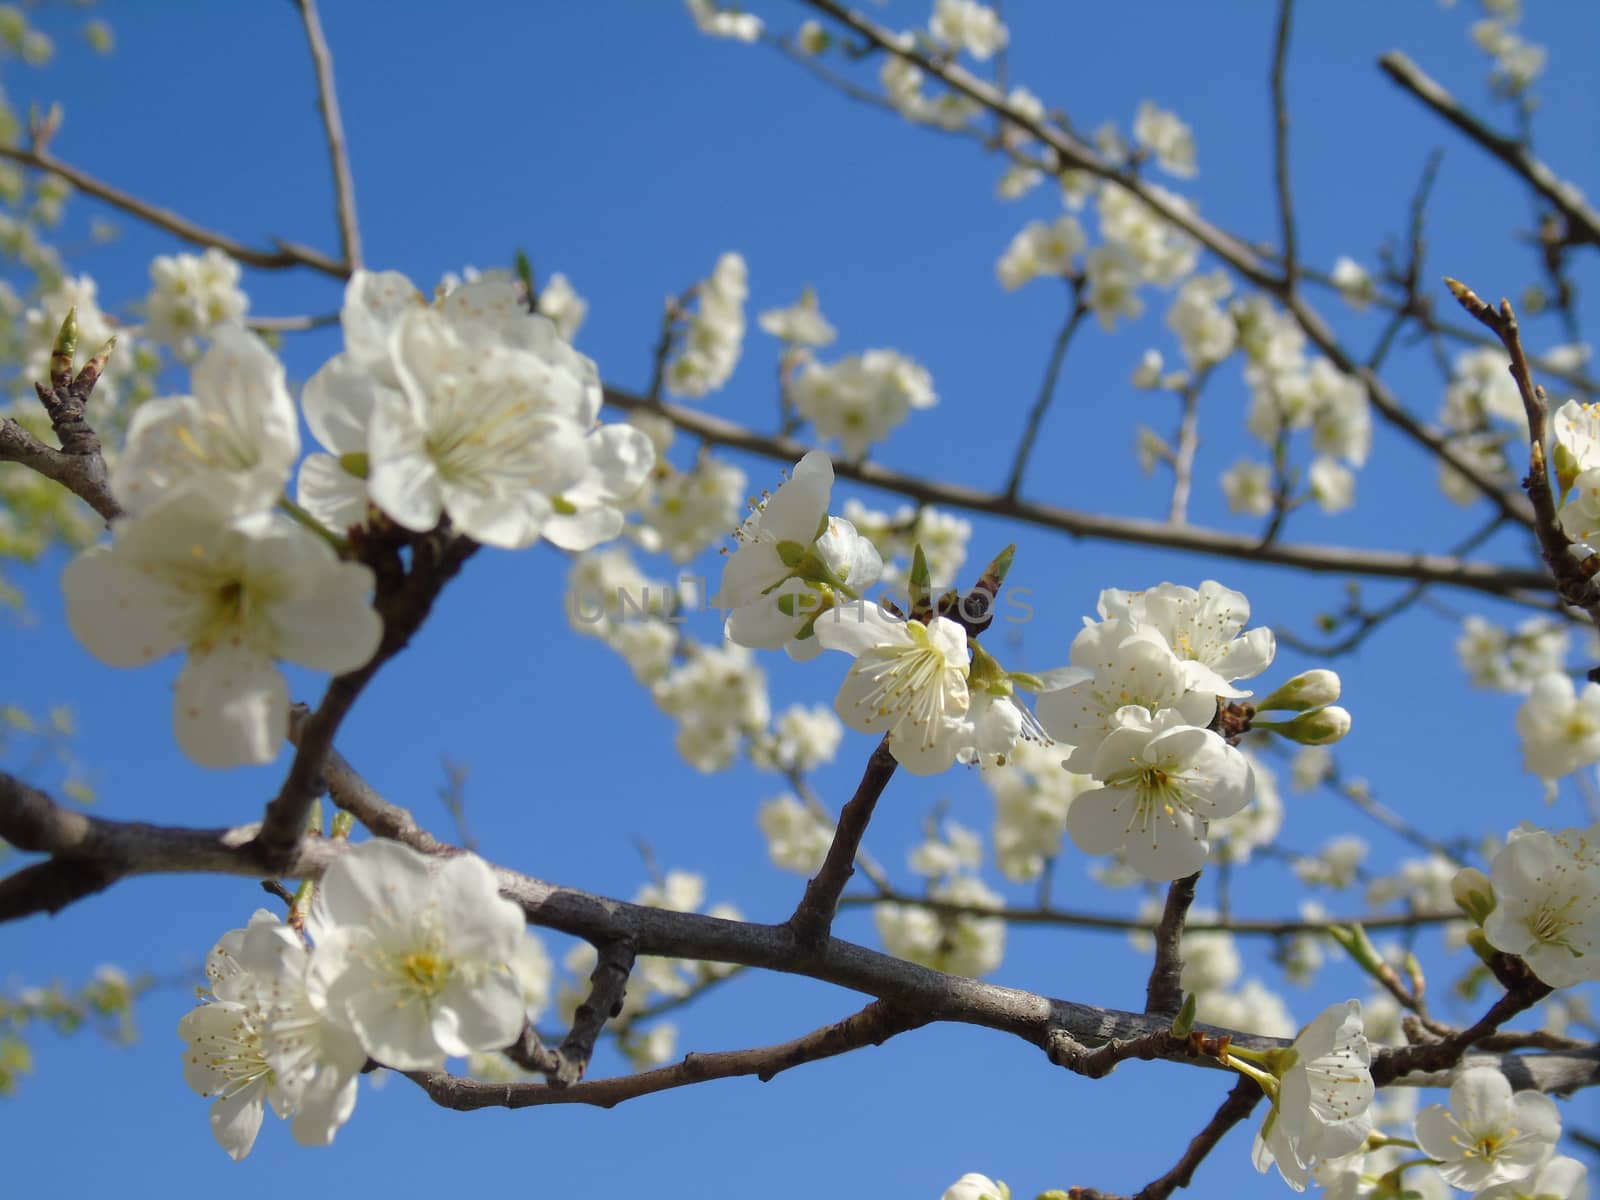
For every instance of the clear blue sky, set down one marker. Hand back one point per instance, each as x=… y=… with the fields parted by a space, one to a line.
x=623 y=149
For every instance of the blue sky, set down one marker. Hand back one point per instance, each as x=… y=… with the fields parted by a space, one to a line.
x=619 y=147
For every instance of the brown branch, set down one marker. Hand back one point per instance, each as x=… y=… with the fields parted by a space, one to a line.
x=872 y=1026
x=1070 y=918
x=608 y=987
x=122 y=849
x=287 y=254
x=404 y=602
x=1448 y=1051
x=1186 y=446
x=354 y=795
x=1163 y=994
x=1047 y=389
x=333 y=127
x=1379 y=564
x=813 y=917
x=1583 y=222
x=1573 y=582
x=84 y=475
x=1290 y=256
x=1241 y=1101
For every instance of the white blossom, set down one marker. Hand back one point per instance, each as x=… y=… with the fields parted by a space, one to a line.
x=797 y=839
x=1162 y=781
x=236 y=438
x=964 y=944
x=973 y=1186
x=721 y=22
x=1166 y=137
x=968 y=25
x=1559 y=726
x=1505 y=661
x=1559 y=1178
x=191 y=294
x=801 y=324
x=1205 y=330
x=1205 y=628
x=1041 y=249
x=1355 y=282
x=1319 y=1111
x=1487 y=1135
x=1248 y=488
x=709 y=348
x=687 y=512
x=1547 y=903
x=1032 y=795
x=859 y=400
x=1117 y=664
x=907 y=679
x=258 y=1040
x=235 y=593
x=718 y=696
x=560 y=301
x=415 y=955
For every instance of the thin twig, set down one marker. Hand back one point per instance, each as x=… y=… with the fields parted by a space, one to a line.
x=1106 y=923
x=1583 y=222
x=872 y=1026
x=1047 y=389
x=1290 y=258
x=608 y=987
x=333 y=127
x=813 y=916
x=1493 y=579
x=286 y=254
x=1241 y=1102
x=1164 y=991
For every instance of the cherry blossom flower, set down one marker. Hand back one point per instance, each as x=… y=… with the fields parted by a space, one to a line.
x=415 y=955
x=801 y=324
x=259 y=1041
x=1321 y=1089
x=1547 y=903
x=1204 y=628
x=792 y=559
x=1487 y=1135
x=236 y=437
x=1560 y=1178
x=973 y=1186
x=1116 y=663
x=907 y=678
x=1162 y=781
x=235 y=593
x=1560 y=726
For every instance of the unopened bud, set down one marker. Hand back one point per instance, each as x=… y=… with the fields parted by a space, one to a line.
x=1473 y=894
x=1308 y=690
x=1184 y=1022
x=813 y=38
x=1320 y=728
x=64 y=350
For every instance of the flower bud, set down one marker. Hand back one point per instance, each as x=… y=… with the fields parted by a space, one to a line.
x=1308 y=690
x=1473 y=893
x=1319 y=728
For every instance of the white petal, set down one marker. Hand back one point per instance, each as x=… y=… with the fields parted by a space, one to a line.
x=123 y=616
x=231 y=707
x=404 y=481
x=339 y=401
x=336 y=498
x=330 y=625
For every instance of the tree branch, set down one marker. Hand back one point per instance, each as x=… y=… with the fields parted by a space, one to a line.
x=1163 y=995
x=872 y=1026
x=813 y=917
x=608 y=987
x=1583 y=222
x=1290 y=257
x=1381 y=564
x=120 y=849
x=333 y=127
x=1047 y=389
x=84 y=475
x=287 y=254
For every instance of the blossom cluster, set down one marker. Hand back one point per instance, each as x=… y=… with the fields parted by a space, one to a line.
x=471 y=409
x=710 y=342
x=410 y=961
x=191 y=294
x=1121 y=754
